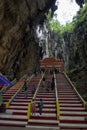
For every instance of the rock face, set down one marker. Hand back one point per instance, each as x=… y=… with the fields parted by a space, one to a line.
x=76 y=46
x=76 y=52
x=18 y=41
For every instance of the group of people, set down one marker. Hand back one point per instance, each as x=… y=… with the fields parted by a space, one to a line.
x=50 y=85
x=25 y=88
x=34 y=108
x=33 y=103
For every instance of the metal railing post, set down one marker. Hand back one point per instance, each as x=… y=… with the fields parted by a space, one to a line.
x=57 y=102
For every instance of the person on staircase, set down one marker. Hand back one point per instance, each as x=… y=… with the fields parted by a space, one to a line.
x=33 y=107
x=52 y=84
x=43 y=82
x=25 y=89
x=33 y=89
x=48 y=86
x=40 y=106
x=35 y=72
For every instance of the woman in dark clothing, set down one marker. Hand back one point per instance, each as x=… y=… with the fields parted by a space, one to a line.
x=52 y=84
x=25 y=89
x=40 y=105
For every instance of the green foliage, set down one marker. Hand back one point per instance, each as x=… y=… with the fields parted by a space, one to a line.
x=81 y=15
x=68 y=28
x=54 y=24
x=80 y=23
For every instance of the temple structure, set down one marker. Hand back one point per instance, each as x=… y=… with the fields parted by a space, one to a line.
x=51 y=63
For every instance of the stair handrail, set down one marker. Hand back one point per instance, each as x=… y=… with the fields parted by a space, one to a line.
x=83 y=101
x=9 y=102
x=29 y=104
x=20 y=88
x=5 y=88
x=57 y=102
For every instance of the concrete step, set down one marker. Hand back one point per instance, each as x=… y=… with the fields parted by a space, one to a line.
x=37 y=127
x=43 y=122
x=72 y=125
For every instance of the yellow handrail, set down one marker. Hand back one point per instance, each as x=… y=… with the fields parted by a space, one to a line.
x=84 y=104
x=8 y=103
x=3 y=89
x=37 y=88
x=29 y=104
x=29 y=110
x=29 y=78
x=83 y=101
x=57 y=102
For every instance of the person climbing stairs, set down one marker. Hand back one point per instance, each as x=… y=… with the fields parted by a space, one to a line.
x=47 y=119
x=16 y=114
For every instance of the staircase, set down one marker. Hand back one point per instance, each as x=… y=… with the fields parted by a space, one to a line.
x=16 y=114
x=48 y=117
x=11 y=91
x=72 y=112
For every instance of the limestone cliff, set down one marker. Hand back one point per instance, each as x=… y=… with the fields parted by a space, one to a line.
x=18 y=40
x=76 y=48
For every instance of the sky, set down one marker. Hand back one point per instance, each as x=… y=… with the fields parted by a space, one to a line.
x=67 y=9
